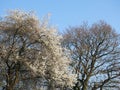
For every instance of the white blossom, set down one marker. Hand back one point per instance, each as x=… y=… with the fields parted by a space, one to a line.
x=45 y=56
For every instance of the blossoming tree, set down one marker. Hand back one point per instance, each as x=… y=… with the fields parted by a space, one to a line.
x=30 y=48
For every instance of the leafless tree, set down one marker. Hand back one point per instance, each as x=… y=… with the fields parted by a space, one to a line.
x=95 y=51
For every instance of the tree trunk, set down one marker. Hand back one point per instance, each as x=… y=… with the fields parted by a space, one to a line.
x=51 y=86
x=11 y=83
x=12 y=77
x=61 y=88
x=9 y=79
x=76 y=87
x=85 y=84
x=100 y=88
x=9 y=88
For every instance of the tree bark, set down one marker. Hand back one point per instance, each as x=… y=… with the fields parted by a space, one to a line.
x=12 y=76
x=85 y=86
x=76 y=87
x=100 y=88
x=85 y=83
x=51 y=85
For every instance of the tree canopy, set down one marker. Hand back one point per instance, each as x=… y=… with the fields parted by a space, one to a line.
x=30 y=48
x=95 y=51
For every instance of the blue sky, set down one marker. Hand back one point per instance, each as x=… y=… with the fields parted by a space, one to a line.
x=66 y=13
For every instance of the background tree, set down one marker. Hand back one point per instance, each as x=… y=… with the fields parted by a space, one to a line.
x=30 y=50
x=96 y=54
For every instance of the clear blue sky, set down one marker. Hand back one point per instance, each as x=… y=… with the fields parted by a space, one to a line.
x=66 y=13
